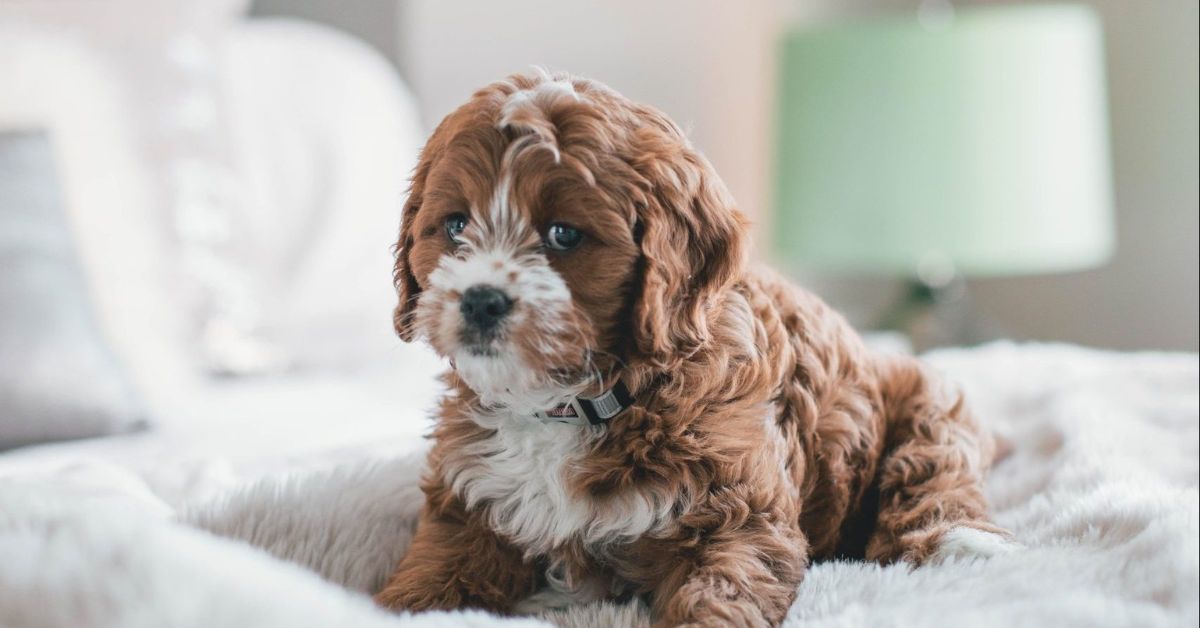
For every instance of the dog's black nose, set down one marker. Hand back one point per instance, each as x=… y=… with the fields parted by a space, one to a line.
x=484 y=306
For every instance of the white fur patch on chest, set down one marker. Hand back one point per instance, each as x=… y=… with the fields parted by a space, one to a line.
x=520 y=474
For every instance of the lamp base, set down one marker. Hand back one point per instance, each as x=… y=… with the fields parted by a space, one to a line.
x=939 y=314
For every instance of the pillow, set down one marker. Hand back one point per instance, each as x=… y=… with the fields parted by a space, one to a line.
x=54 y=80
x=325 y=135
x=159 y=62
x=272 y=157
x=58 y=377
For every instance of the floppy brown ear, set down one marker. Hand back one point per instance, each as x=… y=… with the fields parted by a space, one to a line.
x=692 y=243
x=407 y=288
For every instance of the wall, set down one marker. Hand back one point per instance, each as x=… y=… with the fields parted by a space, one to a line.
x=701 y=61
x=709 y=64
x=1147 y=296
x=373 y=21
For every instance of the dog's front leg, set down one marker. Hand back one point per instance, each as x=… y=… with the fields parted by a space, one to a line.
x=455 y=561
x=744 y=576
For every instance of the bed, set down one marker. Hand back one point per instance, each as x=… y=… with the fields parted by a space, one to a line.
x=295 y=521
x=269 y=496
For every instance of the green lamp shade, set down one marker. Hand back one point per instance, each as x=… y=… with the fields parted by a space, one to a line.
x=982 y=143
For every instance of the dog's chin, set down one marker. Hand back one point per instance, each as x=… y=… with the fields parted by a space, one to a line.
x=501 y=379
x=480 y=351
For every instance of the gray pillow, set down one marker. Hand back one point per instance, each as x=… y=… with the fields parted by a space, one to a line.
x=58 y=377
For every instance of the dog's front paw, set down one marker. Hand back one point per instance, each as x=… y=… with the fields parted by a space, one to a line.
x=393 y=599
x=962 y=543
x=413 y=599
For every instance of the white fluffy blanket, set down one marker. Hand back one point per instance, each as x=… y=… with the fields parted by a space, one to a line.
x=1101 y=491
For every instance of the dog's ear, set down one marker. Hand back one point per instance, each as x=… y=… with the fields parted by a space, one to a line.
x=407 y=288
x=692 y=243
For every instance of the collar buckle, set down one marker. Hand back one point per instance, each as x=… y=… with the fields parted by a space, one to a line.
x=596 y=410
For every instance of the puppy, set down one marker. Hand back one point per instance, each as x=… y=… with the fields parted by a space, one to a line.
x=632 y=409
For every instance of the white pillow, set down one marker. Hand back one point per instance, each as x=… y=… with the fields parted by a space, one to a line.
x=161 y=65
x=325 y=134
x=235 y=187
x=52 y=80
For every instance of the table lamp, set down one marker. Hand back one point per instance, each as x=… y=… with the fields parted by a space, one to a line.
x=972 y=144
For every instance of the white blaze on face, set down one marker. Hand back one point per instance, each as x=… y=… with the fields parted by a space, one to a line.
x=501 y=250
x=541 y=302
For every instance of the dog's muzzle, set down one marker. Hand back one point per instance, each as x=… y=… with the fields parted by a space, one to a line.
x=484 y=307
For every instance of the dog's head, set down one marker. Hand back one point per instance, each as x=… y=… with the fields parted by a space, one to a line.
x=555 y=230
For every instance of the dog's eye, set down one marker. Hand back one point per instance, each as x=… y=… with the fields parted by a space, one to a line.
x=455 y=223
x=562 y=237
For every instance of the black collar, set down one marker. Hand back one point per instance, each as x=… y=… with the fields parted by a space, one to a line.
x=591 y=410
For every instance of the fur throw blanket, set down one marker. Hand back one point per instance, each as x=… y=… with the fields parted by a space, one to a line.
x=1101 y=491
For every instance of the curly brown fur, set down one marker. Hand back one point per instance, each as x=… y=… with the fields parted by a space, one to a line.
x=764 y=433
